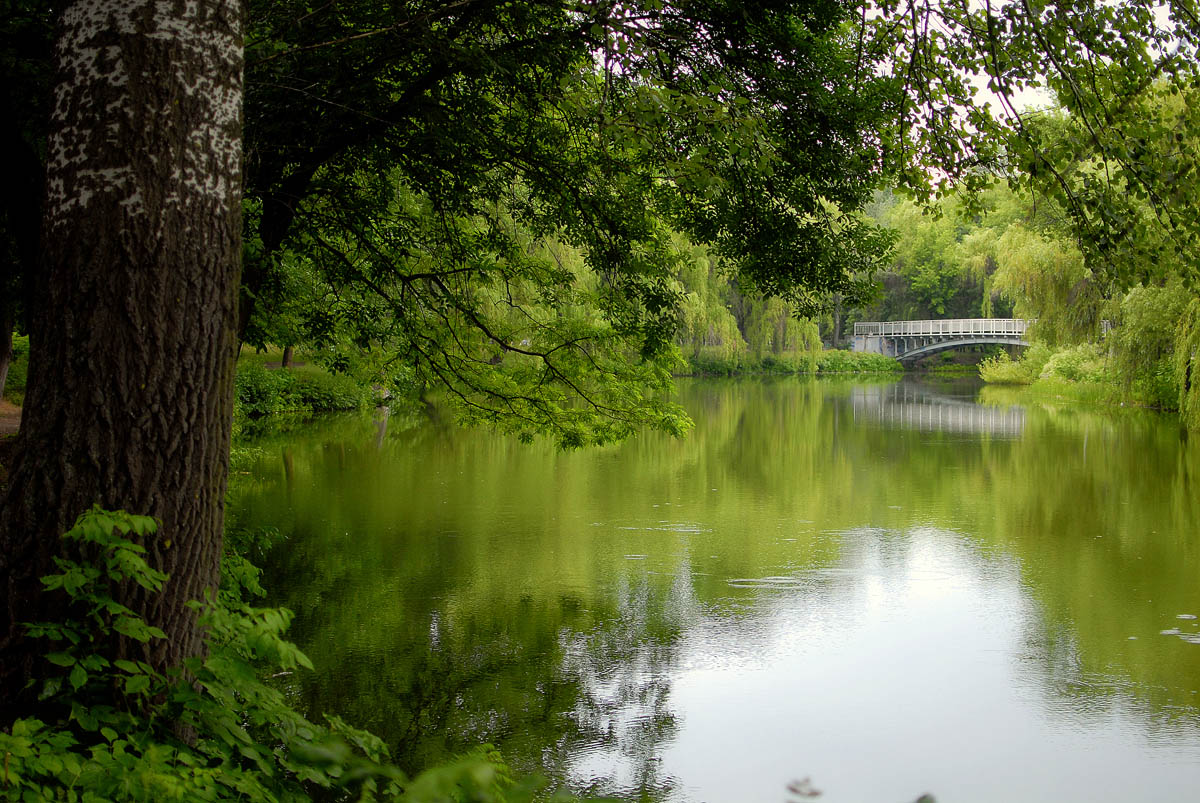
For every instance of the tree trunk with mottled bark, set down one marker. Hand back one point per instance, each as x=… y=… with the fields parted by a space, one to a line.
x=130 y=392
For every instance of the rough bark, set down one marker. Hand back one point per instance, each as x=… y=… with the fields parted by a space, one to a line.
x=130 y=391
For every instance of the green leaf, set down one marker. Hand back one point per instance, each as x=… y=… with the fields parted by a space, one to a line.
x=84 y=716
x=60 y=658
x=135 y=684
x=78 y=677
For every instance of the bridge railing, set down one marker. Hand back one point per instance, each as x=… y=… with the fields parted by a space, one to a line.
x=955 y=326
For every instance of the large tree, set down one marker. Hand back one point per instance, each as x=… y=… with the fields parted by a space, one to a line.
x=414 y=159
x=130 y=387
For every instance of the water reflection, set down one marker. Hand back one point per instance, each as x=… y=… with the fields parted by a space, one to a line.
x=807 y=586
x=909 y=405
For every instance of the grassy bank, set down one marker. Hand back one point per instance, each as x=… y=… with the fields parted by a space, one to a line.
x=716 y=362
x=1082 y=373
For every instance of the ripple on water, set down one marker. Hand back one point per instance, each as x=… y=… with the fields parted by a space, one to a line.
x=803 y=579
x=667 y=527
x=769 y=582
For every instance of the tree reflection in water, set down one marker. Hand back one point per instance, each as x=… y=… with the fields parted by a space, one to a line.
x=455 y=588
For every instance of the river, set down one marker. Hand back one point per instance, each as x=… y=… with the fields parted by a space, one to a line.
x=888 y=589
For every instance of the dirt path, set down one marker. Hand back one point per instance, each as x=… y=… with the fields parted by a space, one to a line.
x=10 y=418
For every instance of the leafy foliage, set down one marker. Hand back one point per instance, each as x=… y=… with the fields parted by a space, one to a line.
x=262 y=391
x=1082 y=363
x=497 y=199
x=1001 y=369
x=852 y=362
x=18 y=369
x=504 y=201
x=1187 y=364
x=1144 y=341
x=214 y=729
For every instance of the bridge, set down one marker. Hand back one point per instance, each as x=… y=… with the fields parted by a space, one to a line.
x=908 y=341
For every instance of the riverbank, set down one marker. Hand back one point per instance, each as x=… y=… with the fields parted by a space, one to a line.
x=265 y=387
x=831 y=361
x=1082 y=374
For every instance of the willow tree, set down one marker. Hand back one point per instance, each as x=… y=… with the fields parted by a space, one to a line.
x=130 y=389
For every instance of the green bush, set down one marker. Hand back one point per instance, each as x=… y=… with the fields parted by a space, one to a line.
x=110 y=728
x=1082 y=363
x=14 y=387
x=837 y=361
x=1001 y=369
x=1187 y=365
x=709 y=362
x=320 y=390
x=783 y=363
x=1144 y=341
x=1157 y=385
x=1035 y=357
x=262 y=391
x=714 y=362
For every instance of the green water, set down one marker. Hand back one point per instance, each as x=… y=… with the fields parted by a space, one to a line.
x=889 y=589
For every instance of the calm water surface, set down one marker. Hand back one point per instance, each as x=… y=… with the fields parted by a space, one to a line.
x=889 y=589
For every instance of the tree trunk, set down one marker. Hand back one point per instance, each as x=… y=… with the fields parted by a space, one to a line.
x=836 y=338
x=130 y=391
x=287 y=357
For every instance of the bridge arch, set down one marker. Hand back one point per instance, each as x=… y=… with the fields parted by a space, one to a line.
x=908 y=341
x=947 y=345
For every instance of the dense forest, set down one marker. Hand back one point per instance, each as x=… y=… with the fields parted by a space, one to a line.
x=537 y=213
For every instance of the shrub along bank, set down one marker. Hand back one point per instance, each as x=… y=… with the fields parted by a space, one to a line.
x=263 y=390
x=220 y=727
x=715 y=362
x=1082 y=372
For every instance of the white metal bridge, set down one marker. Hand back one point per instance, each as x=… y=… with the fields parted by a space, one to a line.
x=912 y=340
